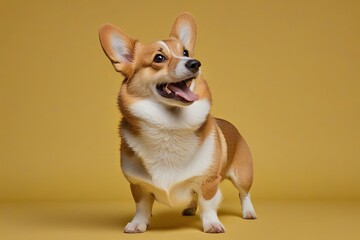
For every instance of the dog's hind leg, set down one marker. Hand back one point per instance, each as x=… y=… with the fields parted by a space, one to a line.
x=241 y=175
x=191 y=208
x=240 y=171
x=248 y=211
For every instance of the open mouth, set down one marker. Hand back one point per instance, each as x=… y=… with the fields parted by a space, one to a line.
x=179 y=91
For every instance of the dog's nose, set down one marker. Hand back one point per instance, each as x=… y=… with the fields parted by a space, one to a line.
x=193 y=65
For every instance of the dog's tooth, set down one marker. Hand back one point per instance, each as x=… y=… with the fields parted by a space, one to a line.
x=167 y=90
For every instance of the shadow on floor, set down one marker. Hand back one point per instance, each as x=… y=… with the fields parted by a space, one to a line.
x=102 y=217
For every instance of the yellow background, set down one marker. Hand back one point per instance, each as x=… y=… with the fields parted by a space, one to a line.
x=286 y=73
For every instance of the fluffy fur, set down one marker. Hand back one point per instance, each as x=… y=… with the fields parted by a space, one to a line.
x=172 y=149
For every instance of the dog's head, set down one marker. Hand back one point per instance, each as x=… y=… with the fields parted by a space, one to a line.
x=163 y=70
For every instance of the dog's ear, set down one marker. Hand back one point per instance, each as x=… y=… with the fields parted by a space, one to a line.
x=184 y=30
x=118 y=47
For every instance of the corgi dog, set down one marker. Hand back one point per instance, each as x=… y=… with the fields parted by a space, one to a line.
x=172 y=149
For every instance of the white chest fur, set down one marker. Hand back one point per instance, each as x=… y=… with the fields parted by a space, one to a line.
x=168 y=153
x=186 y=118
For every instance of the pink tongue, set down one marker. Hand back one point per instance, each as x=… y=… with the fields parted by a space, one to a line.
x=182 y=90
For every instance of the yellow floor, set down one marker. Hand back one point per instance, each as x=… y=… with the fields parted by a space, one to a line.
x=105 y=220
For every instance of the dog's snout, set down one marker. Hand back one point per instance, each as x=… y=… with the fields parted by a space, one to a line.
x=193 y=65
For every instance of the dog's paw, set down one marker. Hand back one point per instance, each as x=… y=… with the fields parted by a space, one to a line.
x=248 y=211
x=134 y=227
x=215 y=227
x=249 y=215
x=189 y=212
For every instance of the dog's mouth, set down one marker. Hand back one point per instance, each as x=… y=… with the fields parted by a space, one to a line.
x=179 y=91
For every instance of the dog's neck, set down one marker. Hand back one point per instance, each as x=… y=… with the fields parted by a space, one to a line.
x=154 y=113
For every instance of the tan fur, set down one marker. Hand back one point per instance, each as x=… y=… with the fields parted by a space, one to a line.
x=137 y=192
x=230 y=157
x=119 y=65
x=239 y=157
x=187 y=18
x=213 y=177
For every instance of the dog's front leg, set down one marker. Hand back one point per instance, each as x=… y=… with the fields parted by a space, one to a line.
x=208 y=213
x=144 y=202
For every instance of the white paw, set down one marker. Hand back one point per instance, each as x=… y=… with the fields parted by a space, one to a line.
x=249 y=214
x=248 y=211
x=134 y=227
x=215 y=227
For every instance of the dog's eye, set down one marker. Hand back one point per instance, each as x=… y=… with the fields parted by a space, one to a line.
x=159 y=58
x=186 y=53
